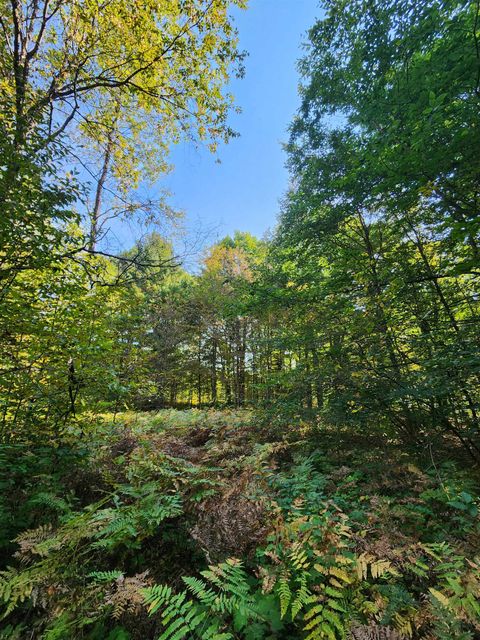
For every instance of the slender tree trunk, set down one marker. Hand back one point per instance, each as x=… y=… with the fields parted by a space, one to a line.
x=96 y=211
x=241 y=352
x=268 y=361
x=449 y=312
x=199 y=373
x=308 y=385
x=374 y=289
x=213 y=375
x=318 y=381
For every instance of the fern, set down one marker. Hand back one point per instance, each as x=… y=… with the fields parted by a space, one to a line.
x=377 y=567
x=317 y=623
x=201 y=591
x=223 y=592
x=13 y=633
x=298 y=556
x=301 y=597
x=16 y=587
x=105 y=576
x=284 y=592
x=51 y=501
x=180 y=617
x=446 y=626
x=134 y=522
x=323 y=616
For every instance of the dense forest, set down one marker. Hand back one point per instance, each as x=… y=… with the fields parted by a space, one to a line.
x=285 y=441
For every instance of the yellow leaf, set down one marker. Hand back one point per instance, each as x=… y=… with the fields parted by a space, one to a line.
x=438 y=595
x=340 y=573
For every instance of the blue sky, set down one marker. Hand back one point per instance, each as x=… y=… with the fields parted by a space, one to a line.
x=243 y=191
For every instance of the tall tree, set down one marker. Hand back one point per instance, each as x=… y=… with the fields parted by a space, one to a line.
x=130 y=82
x=381 y=229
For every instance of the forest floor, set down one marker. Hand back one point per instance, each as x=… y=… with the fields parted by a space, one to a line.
x=386 y=543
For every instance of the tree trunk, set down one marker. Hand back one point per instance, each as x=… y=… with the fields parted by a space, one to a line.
x=318 y=382
x=213 y=374
x=95 y=215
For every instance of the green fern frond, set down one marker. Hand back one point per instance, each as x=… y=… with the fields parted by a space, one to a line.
x=199 y=589
x=284 y=593
x=105 y=576
x=156 y=596
x=301 y=597
x=223 y=592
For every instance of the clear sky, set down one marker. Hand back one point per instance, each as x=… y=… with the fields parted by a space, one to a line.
x=243 y=191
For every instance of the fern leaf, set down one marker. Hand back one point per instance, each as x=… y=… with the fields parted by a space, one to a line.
x=285 y=593
x=438 y=595
x=341 y=574
x=105 y=576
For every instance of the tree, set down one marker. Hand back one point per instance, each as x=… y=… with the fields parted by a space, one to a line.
x=384 y=212
x=129 y=82
x=80 y=82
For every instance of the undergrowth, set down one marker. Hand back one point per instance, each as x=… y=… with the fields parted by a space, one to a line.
x=202 y=524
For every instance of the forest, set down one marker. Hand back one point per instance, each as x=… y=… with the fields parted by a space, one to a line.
x=284 y=442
